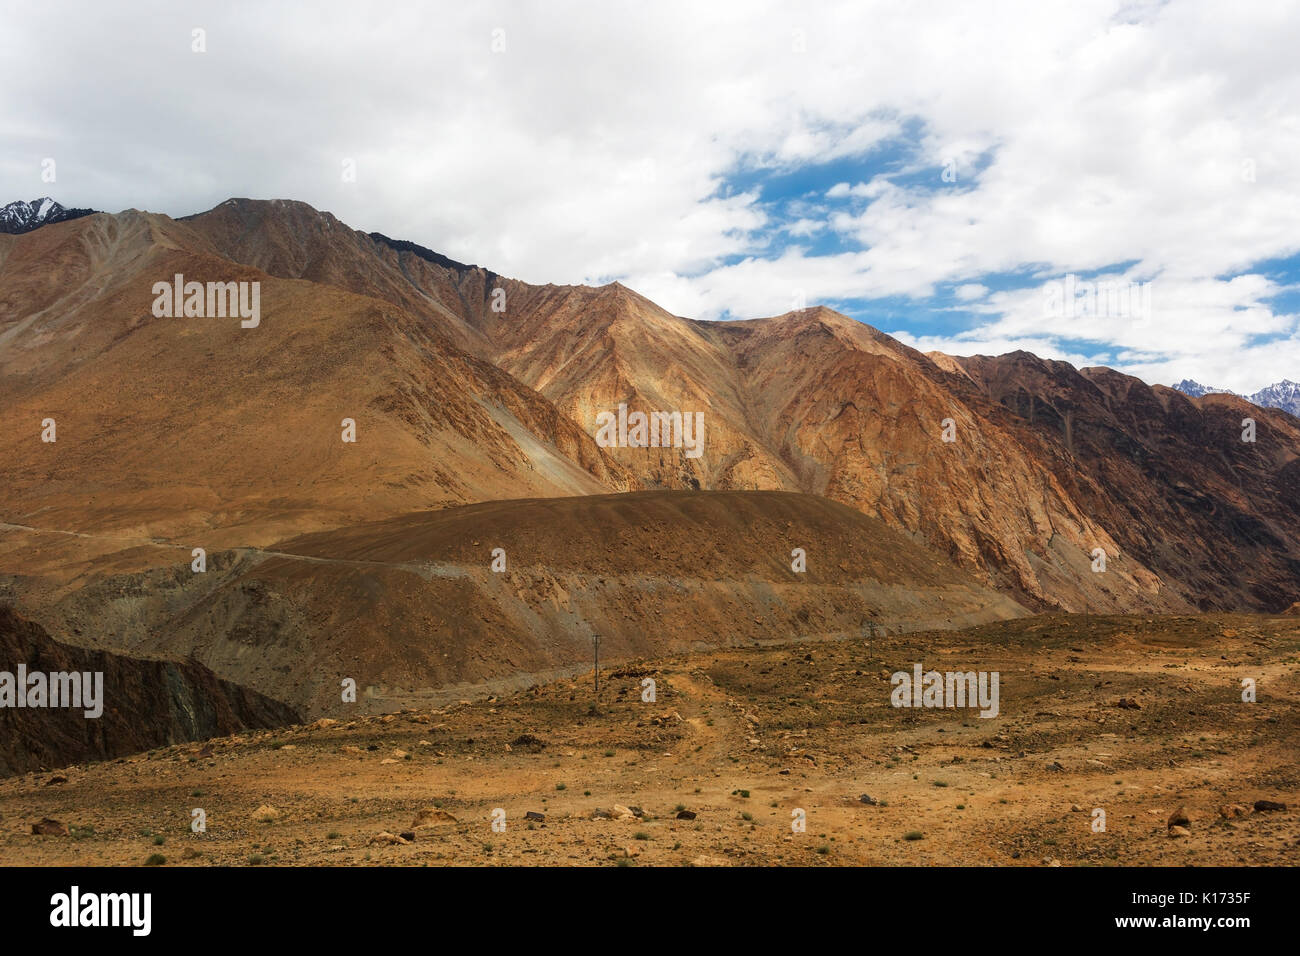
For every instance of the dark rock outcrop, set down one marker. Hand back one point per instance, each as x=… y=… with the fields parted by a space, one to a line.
x=146 y=704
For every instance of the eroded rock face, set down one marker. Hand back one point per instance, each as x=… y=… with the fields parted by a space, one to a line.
x=146 y=704
x=411 y=603
x=457 y=402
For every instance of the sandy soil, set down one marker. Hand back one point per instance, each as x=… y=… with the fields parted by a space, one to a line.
x=742 y=738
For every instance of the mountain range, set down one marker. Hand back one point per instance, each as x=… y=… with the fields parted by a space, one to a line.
x=990 y=485
x=1284 y=394
x=19 y=217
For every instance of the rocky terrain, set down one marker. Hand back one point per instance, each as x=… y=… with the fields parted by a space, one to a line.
x=203 y=528
x=144 y=703
x=1141 y=718
x=411 y=608
x=457 y=402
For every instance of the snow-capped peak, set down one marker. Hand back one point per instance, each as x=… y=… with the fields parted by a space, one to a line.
x=1196 y=389
x=1284 y=394
x=19 y=217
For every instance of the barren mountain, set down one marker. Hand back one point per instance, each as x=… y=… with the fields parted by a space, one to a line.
x=185 y=425
x=465 y=387
x=809 y=401
x=144 y=703
x=412 y=603
x=1217 y=517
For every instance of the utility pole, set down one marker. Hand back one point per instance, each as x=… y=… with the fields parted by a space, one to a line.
x=595 y=643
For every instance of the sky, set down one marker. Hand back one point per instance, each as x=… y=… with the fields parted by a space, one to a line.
x=1106 y=183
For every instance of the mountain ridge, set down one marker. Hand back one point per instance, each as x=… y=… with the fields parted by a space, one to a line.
x=1284 y=394
x=20 y=217
x=460 y=402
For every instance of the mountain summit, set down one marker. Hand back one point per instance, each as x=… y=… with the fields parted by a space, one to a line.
x=1284 y=394
x=19 y=217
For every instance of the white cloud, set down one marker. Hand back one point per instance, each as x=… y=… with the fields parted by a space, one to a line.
x=594 y=147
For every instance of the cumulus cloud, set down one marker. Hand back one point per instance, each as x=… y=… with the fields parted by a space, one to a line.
x=573 y=142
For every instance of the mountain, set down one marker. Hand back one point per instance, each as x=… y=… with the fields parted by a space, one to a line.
x=1284 y=394
x=412 y=603
x=207 y=429
x=1196 y=389
x=19 y=217
x=144 y=704
x=785 y=400
x=467 y=387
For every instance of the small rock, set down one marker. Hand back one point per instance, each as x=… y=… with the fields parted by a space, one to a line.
x=1231 y=810
x=57 y=778
x=384 y=838
x=535 y=816
x=407 y=835
x=1128 y=703
x=1075 y=808
x=621 y=812
x=632 y=850
x=868 y=799
x=432 y=817
x=1179 y=832
x=49 y=827
x=685 y=814
x=265 y=814
x=600 y=815
x=349 y=749
x=191 y=853
x=1269 y=806
x=1179 y=818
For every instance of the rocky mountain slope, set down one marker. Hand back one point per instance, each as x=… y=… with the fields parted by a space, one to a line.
x=468 y=387
x=412 y=603
x=145 y=704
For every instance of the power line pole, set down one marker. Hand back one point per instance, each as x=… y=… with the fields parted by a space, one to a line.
x=595 y=643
